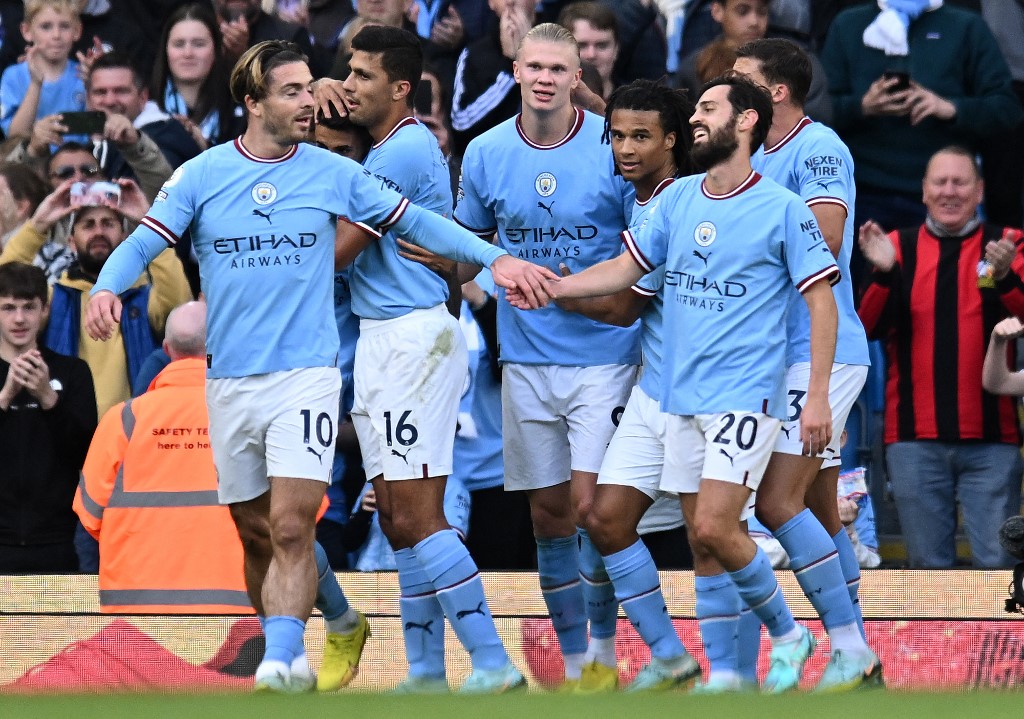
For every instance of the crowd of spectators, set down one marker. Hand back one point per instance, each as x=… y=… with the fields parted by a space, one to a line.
x=125 y=91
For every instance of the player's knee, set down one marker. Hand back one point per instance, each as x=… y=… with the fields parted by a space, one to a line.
x=771 y=514
x=601 y=526
x=292 y=532
x=706 y=533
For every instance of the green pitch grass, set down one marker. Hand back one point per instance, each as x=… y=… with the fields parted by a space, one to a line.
x=860 y=705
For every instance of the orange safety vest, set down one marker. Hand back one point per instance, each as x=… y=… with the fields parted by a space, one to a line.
x=148 y=493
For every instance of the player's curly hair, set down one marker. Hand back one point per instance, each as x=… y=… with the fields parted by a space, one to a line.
x=251 y=75
x=674 y=109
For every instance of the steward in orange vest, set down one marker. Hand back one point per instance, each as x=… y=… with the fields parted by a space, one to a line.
x=148 y=494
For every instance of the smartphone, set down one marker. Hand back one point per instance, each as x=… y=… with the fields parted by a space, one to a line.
x=95 y=194
x=902 y=79
x=90 y=122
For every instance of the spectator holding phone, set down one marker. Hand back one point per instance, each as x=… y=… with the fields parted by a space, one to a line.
x=947 y=84
x=46 y=82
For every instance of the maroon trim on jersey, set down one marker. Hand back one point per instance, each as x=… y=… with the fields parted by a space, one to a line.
x=804 y=122
x=483 y=234
x=576 y=125
x=657 y=190
x=265 y=160
x=936 y=323
x=636 y=254
x=751 y=180
x=830 y=273
x=404 y=122
x=159 y=228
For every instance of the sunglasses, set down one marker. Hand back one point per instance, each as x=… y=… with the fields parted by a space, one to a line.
x=65 y=172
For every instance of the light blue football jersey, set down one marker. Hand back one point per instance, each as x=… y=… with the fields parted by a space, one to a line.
x=650 y=285
x=814 y=163
x=384 y=285
x=65 y=94
x=263 y=231
x=731 y=262
x=551 y=204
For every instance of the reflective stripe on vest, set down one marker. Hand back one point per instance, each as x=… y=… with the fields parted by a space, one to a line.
x=173 y=597
x=137 y=500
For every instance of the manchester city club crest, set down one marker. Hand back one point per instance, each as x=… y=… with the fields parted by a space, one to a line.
x=704 y=234
x=545 y=184
x=263 y=193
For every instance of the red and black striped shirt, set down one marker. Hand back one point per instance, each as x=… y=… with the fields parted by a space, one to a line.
x=936 y=323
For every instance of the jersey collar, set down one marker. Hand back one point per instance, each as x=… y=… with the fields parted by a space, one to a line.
x=576 y=125
x=751 y=180
x=266 y=161
x=405 y=121
x=804 y=122
x=657 y=190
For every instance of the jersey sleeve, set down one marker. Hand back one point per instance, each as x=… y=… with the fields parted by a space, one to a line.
x=808 y=258
x=650 y=284
x=12 y=92
x=470 y=210
x=825 y=176
x=648 y=243
x=360 y=199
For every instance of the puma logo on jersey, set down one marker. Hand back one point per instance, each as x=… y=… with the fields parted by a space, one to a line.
x=396 y=453
x=547 y=208
x=703 y=258
x=730 y=457
x=462 y=613
x=825 y=183
x=319 y=455
x=265 y=215
x=425 y=627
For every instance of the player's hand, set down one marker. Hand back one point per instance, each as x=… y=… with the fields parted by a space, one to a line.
x=102 y=314
x=369 y=503
x=848 y=510
x=528 y=279
x=32 y=373
x=567 y=304
x=134 y=204
x=1009 y=329
x=876 y=246
x=815 y=425
x=120 y=130
x=1000 y=255
x=583 y=97
x=194 y=130
x=441 y=265
x=924 y=103
x=327 y=91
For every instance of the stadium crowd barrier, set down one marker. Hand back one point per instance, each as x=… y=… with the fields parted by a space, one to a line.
x=932 y=629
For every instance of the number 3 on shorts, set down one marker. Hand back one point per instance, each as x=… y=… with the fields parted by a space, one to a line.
x=324 y=427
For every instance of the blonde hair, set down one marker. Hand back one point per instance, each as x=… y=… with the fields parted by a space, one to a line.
x=550 y=32
x=251 y=74
x=64 y=7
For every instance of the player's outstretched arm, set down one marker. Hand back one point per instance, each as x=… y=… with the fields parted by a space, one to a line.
x=530 y=282
x=816 y=417
x=621 y=309
x=996 y=376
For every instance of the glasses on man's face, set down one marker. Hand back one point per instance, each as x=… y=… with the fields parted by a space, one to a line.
x=66 y=172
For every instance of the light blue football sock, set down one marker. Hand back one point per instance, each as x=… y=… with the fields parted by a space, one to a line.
x=851 y=573
x=760 y=591
x=330 y=600
x=284 y=638
x=558 y=569
x=422 y=618
x=814 y=559
x=598 y=590
x=451 y=570
x=748 y=645
x=718 y=615
x=638 y=590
